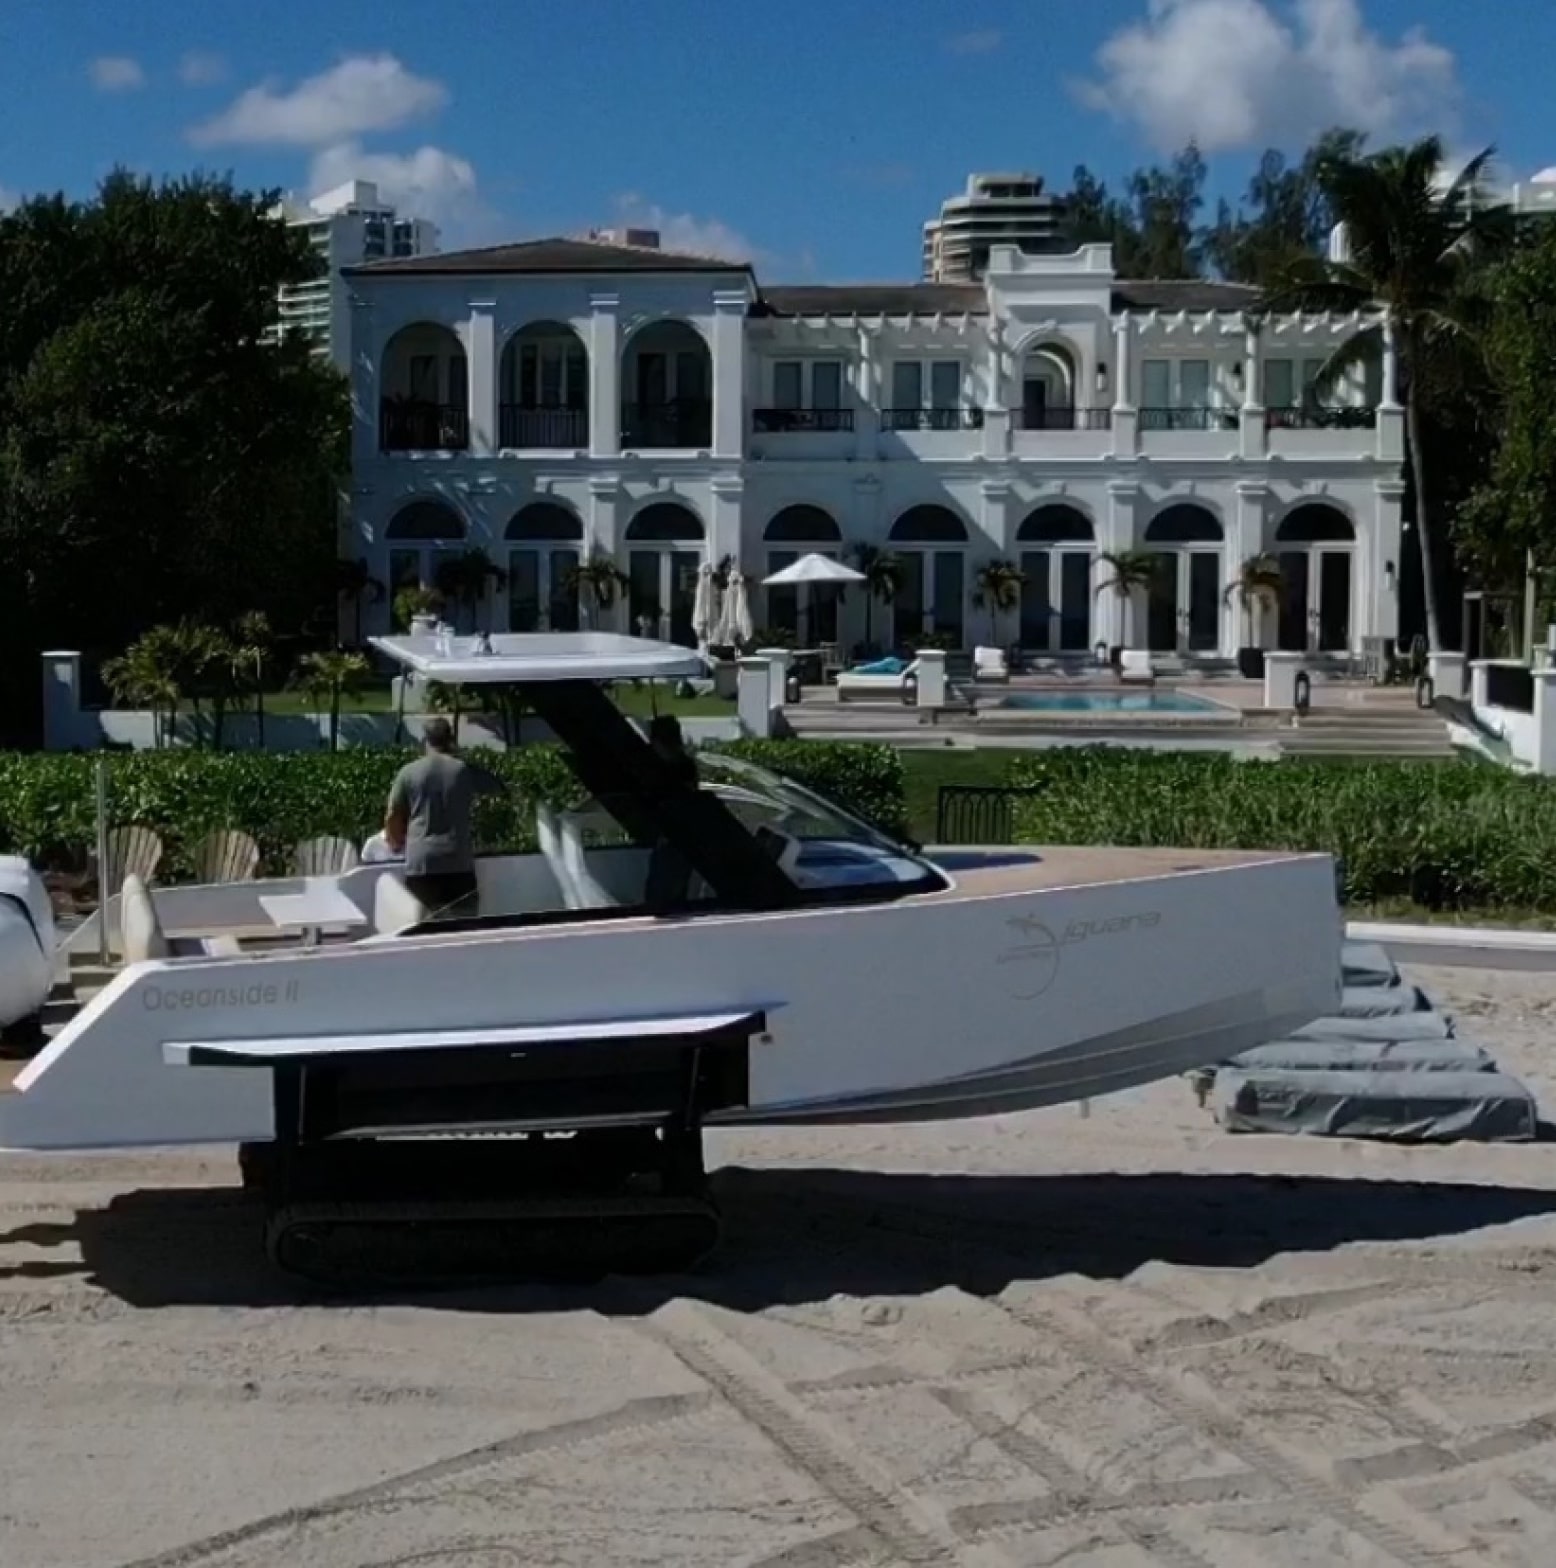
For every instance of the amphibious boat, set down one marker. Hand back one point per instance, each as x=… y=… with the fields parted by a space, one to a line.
x=542 y=1069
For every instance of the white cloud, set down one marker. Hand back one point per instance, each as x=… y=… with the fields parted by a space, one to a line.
x=681 y=231
x=362 y=93
x=201 y=68
x=983 y=40
x=1246 y=73
x=116 y=73
x=426 y=183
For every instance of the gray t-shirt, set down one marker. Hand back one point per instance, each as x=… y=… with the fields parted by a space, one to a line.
x=436 y=793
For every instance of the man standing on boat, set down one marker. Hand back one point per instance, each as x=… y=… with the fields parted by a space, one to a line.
x=428 y=821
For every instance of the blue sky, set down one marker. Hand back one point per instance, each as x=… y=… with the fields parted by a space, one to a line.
x=813 y=136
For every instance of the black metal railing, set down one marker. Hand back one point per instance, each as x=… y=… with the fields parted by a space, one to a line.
x=1188 y=419
x=1320 y=418
x=1510 y=686
x=978 y=813
x=678 y=424
x=542 y=427
x=781 y=421
x=413 y=426
x=931 y=419
x=1063 y=418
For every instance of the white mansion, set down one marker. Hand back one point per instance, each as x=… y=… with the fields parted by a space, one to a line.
x=559 y=399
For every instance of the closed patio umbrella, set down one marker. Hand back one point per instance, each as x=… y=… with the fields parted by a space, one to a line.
x=704 y=607
x=734 y=628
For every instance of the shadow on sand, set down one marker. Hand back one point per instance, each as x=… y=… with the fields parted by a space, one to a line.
x=795 y=1236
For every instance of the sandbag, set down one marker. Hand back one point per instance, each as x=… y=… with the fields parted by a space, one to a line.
x=1436 y=1056
x=1400 y=1107
x=1378 y=1001
x=1390 y=1026
x=1367 y=964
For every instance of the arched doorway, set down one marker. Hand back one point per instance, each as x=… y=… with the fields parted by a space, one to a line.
x=1183 y=612
x=419 y=536
x=931 y=544
x=797 y=531
x=1315 y=545
x=543 y=389
x=544 y=540
x=664 y=553
x=425 y=391
x=1047 y=388
x=1057 y=549
x=666 y=388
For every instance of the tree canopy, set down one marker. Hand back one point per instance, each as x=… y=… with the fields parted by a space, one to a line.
x=159 y=454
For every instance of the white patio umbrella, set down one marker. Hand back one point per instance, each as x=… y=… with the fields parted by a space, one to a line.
x=704 y=606
x=810 y=570
x=734 y=628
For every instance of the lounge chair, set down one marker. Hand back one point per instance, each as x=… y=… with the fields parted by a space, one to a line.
x=226 y=856
x=872 y=684
x=1134 y=666
x=990 y=666
x=326 y=856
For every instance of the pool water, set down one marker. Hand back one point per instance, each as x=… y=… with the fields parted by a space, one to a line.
x=1110 y=702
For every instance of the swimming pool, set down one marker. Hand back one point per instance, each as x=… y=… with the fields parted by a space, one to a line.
x=1111 y=702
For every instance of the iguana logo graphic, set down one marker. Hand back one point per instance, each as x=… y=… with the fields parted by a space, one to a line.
x=1037 y=948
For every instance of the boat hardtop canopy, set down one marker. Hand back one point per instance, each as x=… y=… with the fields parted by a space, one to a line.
x=524 y=657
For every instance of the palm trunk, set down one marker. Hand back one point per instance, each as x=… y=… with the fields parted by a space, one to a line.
x=1434 y=639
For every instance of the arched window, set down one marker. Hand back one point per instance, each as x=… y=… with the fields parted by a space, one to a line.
x=543 y=381
x=803 y=525
x=929 y=525
x=1056 y=523
x=666 y=388
x=424 y=383
x=1184 y=523
x=1314 y=522
x=665 y=522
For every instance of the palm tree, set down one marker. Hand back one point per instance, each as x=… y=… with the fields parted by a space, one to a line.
x=882 y=580
x=997 y=589
x=1256 y=587
x=1128 y=571
x=416 y=599
x=329 y=676
x=1415 y=245
x=146 y=674
x=598 y=581
x=462 y=579
x=356 y=584
x=251 y=647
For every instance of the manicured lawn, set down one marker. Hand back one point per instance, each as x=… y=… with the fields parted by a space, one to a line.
x=925 y=771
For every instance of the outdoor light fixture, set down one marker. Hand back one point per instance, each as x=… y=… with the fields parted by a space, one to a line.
x=1388 y=573
x=1102 y=376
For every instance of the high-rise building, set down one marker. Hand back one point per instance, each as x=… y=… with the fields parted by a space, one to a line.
x=346 y=226
x=995 y=209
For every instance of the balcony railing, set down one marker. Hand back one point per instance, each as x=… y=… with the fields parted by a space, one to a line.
x=679 y=424
x=1320 y=418
x=405 y=425
x=1188 y=419
x=542 y=427
x=779 y=421
x=931 y=419
x=1063 y=418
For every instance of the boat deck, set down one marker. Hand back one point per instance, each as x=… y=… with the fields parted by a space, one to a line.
x=1038 y=868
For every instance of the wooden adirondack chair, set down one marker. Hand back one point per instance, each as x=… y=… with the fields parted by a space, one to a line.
x=326 y=856
x=133 y=848
x=227 y=855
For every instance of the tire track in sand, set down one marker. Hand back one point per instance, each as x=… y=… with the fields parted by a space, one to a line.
x=653 y=1410
x=908 y=1526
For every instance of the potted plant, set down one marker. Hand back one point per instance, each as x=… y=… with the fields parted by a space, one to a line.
x=416 y=606
x=1128 y=571
x=1256 y=587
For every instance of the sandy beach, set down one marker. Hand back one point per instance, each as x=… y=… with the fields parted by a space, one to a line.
x=1108 y=1340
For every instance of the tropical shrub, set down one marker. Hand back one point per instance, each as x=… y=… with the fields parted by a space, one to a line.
x=47 y=800
x=1447 y=836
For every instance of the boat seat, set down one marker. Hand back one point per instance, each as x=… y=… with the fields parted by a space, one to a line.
x=586 y=888
x=395 y=907
x=140 y=930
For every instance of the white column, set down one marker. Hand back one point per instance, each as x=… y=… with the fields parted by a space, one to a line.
x=1390 y=398
x=1253 y=434
x=997 y=390
x=1377 y=593
x=604 y=376
x=996 y=517
x=481 y=349
x=1248 y=539
x=867 y=416
x=62 y=701
x=753 y=697
x=724 y=526
x=1545 y=721
x=367 y=388
x=1115 y=617
x=1126 y=419
x=729 y=373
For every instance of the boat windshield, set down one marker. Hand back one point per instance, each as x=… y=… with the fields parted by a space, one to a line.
x=759 y=798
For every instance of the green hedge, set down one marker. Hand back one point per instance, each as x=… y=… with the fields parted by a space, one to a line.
x=48 y=800
x=1445 y=836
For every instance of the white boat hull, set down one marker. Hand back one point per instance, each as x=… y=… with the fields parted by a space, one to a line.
x=1039 y=977
x=26 y=942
